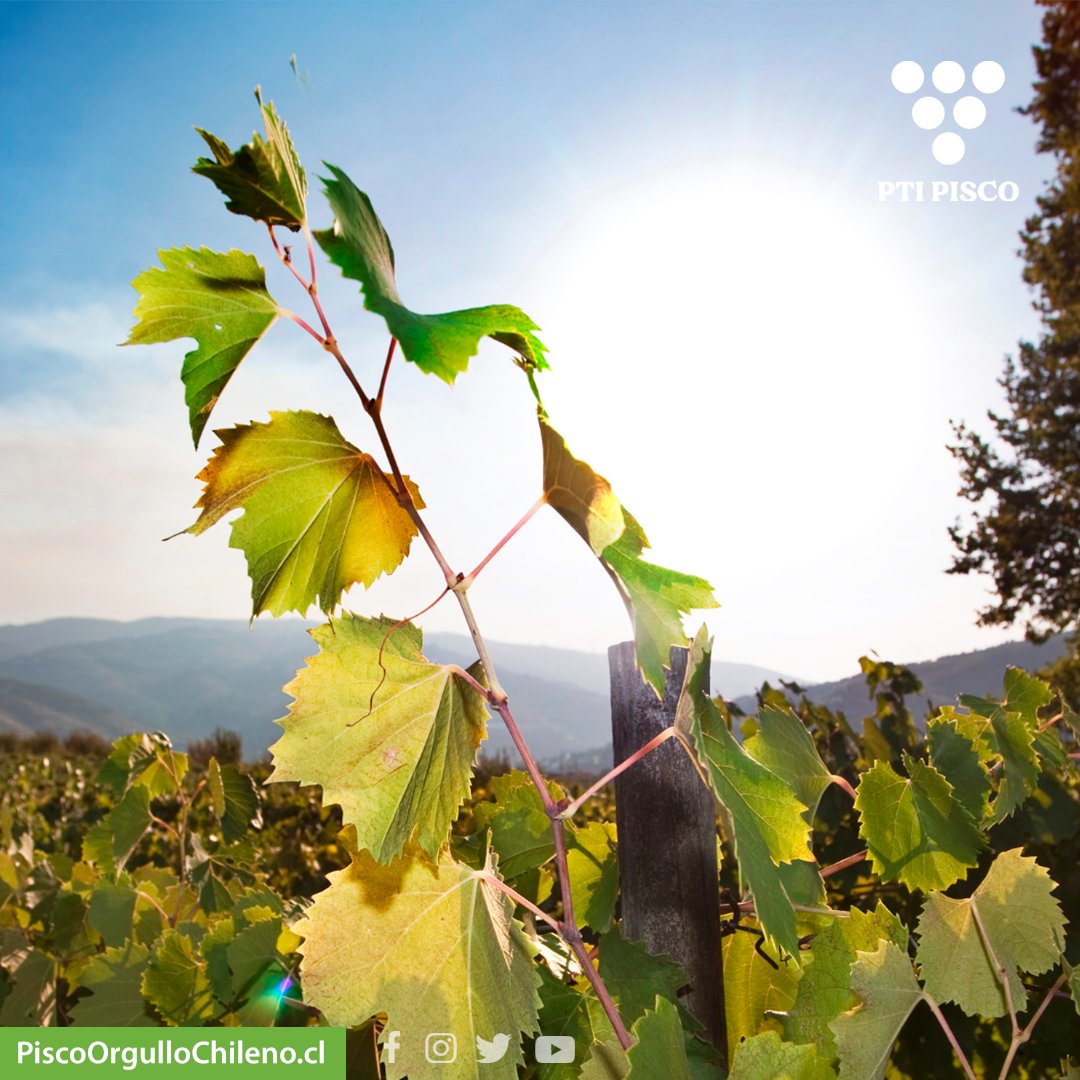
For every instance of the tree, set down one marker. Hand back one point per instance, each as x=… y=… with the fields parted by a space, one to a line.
x=1025 y=485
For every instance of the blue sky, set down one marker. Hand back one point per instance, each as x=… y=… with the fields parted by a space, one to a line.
x=760 y=355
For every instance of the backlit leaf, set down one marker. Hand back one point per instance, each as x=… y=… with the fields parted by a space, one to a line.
x=635 y=977
x=594 y=874
x=655 y=597
x=520 y=827
x=438 y=344
x=218 y=299
x=573 y=1011
x=660 y=1046
x=784 y=746
x=397 y=752
x=318 y=515
x=1024 y=925
x=115 y=978
x=957 y=758
x=263 y=179
x=175 y=981
x=112 y=840
x=767 y=1056
x=235 y=800
x=915 y=829
x=888 y=990
x=434 y=946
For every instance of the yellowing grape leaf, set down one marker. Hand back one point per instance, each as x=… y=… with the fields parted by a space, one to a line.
x=784 y=746
x=768 y=820
x=175 y=981
x=218 y=299
x=434 y=946
x=1024 y=925
x=395 y=753
x=263 y=179
x=767 y=1056
x=438 y=344
x=825 y=989
x=655 y=597
x=318 y=514
x=886 y=984
x=915 y=829
x=593 y=863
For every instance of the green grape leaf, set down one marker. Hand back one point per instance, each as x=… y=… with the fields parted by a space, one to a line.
x=957 y=758
x=393 y=745
x=573 y=1011
x=660 y=1046
x=214 y=948
x=112 y=911
x=1026 y=694
x=606 y=1061
x=915 y=829
x=766 y=1055
x=252 y=954
x=440 y=345
x=263 y=179
x=145 y=760
x=175 y=981
x=635 y=977
x=768 y=820
x=31 y=1002
x=1024 y=925
x=754 y=989
x=655 y=597
x=886 y=984
x=784 y=746
x=115 y=979
x=594 y=874
x=434 y=946
x=520 y=827
x=235 y=800
x=825 y=989
x=318 y=515
x=110 y=843
x=218 y=299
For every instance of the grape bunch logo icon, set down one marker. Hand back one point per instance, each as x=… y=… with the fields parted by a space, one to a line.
x=967 y=112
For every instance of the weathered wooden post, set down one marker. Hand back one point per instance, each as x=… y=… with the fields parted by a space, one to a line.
x=666 y=822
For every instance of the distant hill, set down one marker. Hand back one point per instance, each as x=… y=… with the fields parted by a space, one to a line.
x=26 y=709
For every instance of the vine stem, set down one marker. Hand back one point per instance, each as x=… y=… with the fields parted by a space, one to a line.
x=635 y=757
x=999 y=969
x=957 y=1050
x=843 y=864
x=514 y=895
x=496 y=695
x=842 y=782
x=1022 y=1037
x=470 y=577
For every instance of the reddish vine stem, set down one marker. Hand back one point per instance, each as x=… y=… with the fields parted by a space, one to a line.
x=610 y=775
x=286 y=313
x=471 y=577
x=1022 y=1037
x=953 y=1042
x=843 y=864
x=841 y=782
x=519 y=899
x=385 y=374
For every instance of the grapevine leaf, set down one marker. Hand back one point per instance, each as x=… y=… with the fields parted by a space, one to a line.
x=434 y=946
x=32 y=999
x=567 y=1010
x=520 y=827
x=635 y=977
x=916 y=831
x=146 y=760
x=1024 y=925
x=318 y=514
x=886 y=984
x=235 y=800
x=112 y=910
x=263 y=179
x=438 y=344
x=753 y=989
x=825 y=989
x=660 y=1046
x=957 y=758
x=111 y=841
x=252 y=954
x=175 y=981
x=766 y=1055
x=784 y=746
x=594 y=874
x=215 y=951
x=218 y=299
x=115 y=978
x=1073 y=976
x=655 y=597
x=768 y=820
x=393 y=745
x=606 y=1061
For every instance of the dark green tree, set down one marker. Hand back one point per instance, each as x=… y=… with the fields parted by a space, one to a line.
x=1025 y=482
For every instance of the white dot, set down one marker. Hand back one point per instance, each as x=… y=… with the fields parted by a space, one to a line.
x=969 y=112
x=907 y=76
x=948 y=76
x=928 y=113
x=988 y=77
x=948 y=148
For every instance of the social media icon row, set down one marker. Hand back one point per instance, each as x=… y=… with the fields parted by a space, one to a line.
x=441 y=1048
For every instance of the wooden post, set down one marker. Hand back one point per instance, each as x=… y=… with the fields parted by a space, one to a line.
x=666 y=821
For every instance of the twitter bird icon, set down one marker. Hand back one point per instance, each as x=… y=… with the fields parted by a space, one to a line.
x=494 y=1050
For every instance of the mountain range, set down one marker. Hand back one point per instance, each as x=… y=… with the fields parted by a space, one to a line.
x=189 y=676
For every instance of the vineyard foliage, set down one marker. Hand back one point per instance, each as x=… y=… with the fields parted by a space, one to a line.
x=907 y=882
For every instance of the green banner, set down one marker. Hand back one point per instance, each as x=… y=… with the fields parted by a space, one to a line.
x=204 y=1053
